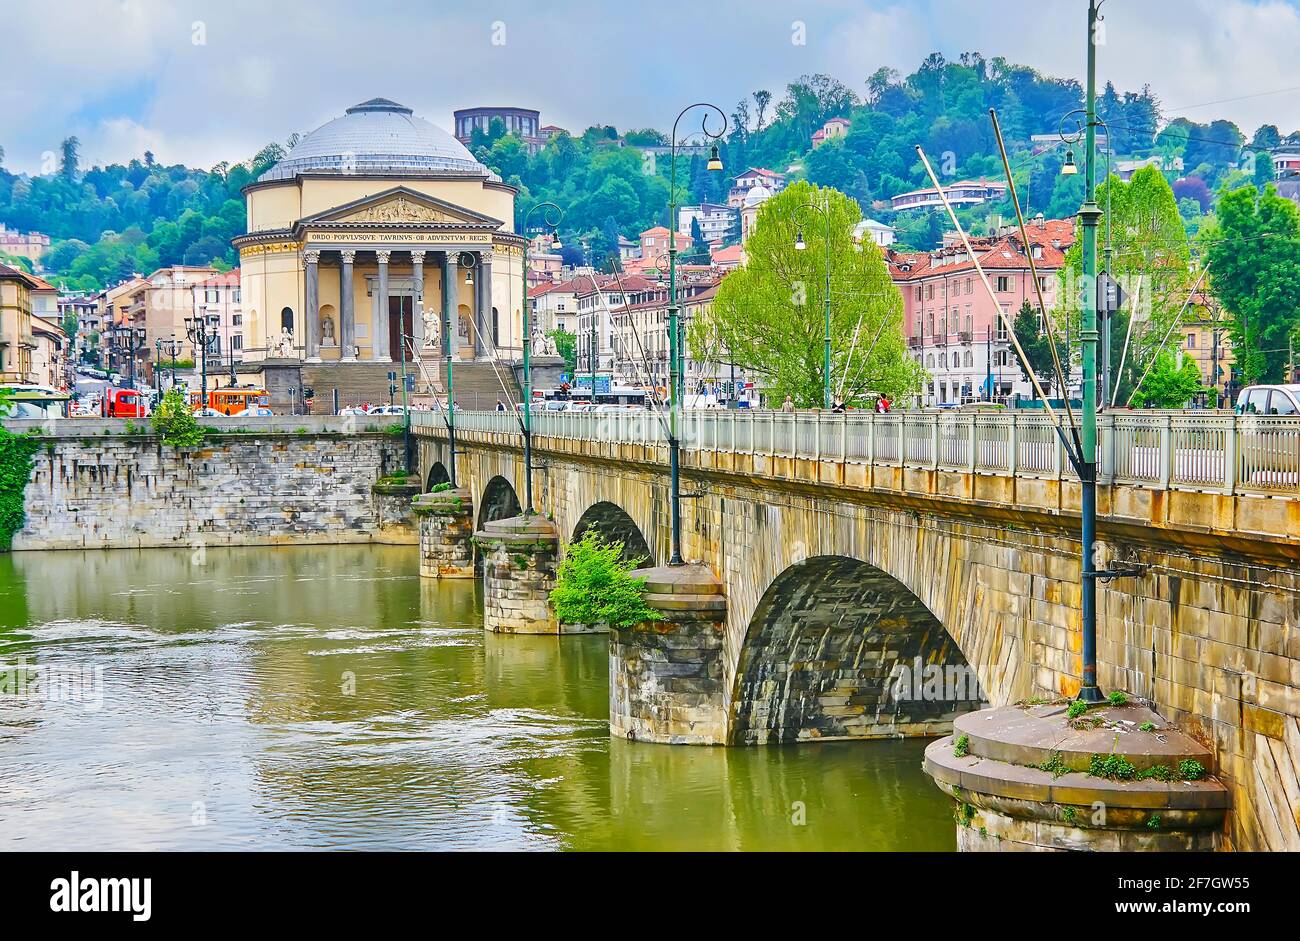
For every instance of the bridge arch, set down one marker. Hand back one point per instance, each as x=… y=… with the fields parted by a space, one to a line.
x=499 y=501
x=437 y=475
x=838 y=649
x=614 y=523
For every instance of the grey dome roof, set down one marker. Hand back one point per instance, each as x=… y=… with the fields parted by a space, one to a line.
x=378 y=136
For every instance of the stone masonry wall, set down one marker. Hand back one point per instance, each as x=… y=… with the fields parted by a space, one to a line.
x=119 y=491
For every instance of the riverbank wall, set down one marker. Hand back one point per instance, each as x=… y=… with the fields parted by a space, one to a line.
x=99 y=484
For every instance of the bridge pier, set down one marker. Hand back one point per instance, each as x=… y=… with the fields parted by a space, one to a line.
x=666 y=677
x=519 y=560
x=1117 y=778
x=446 y=520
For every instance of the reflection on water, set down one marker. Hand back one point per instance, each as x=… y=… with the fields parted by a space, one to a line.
x=327 y=697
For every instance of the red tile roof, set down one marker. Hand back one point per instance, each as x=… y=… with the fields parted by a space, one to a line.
x=1001 y=252
x=224 y=279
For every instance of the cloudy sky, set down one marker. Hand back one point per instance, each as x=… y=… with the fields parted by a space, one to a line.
x=199 y=82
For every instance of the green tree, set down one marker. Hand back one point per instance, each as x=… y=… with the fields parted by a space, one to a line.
x=594 y=585
x=768 y=316
x=1038 y=348
x=1252 y=248
x=15 y=472
x=566 y=344
x=1150 y=257
x=1172 y=382
x=70 y=153
x=174 y=422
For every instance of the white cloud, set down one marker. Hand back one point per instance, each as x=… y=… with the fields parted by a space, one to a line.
x=127 y=75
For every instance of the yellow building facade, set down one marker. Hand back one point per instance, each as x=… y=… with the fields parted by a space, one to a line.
x=16 y=338
x=379 y=228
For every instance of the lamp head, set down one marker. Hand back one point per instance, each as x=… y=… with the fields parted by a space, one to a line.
x=799 y=243
x=715 y=162
x=1069 y=168
x=556 y=244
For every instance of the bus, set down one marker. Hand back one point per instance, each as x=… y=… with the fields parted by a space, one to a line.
x=230 y=400
x=580 y=399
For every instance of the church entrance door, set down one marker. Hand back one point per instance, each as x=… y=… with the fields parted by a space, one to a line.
x=401 y=326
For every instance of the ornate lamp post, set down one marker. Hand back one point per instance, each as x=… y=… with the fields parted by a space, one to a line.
x=591 y=332
x=463 y=260
x=799 y=215
x=130 y=340
x=1070 y=168
x=196 y=331
x=551 y=216
x=1089 y=214
x=171 y=347
x=676 y=358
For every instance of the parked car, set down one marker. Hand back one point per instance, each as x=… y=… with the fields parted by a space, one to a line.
x=387 y=410
x=1269 y=454
x=208 y=413
x=1269 y=400
x=354 y=410
x=254 y=411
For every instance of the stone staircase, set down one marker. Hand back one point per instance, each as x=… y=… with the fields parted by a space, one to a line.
x=476 y=384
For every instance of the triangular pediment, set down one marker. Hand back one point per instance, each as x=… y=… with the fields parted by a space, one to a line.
x=402 y=206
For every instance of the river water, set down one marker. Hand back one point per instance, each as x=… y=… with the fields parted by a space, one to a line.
x=328 y=697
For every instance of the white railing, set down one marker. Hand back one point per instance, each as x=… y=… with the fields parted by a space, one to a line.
x=1177 y=451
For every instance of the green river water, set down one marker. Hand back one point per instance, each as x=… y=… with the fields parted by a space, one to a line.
x=328 y=697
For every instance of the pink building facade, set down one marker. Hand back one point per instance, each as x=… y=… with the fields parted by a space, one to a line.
x=952 y=326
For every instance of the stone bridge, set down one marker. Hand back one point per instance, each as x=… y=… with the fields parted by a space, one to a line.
x=875 y=568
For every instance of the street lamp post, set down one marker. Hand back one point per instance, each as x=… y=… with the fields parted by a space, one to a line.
x=800 y=245
x=1089 y=215
x=131 y=341
x=676 y=357
x=196 y=331
x=551 y=215
x=1069 y=168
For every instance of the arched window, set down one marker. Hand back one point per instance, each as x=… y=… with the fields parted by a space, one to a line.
x=286 y=319
x=929 y=361
x=968 y=360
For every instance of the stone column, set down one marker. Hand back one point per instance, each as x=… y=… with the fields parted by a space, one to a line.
x=449 y=331
x=519 y=558
x=347 y=317
x=446 y=523
x=379 y=345
x=419 y=304
x=311 y=330
x=665 y=677
x=483 y=342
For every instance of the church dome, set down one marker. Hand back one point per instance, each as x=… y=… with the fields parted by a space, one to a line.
x=757 y=195
x=378 y=136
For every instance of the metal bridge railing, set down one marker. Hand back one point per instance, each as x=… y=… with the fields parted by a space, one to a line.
x=1179 y=451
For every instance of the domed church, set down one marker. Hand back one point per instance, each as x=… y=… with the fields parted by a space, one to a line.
x=379 y=229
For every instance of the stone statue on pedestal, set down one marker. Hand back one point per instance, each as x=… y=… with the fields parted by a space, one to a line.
x=432 y=329
x=326 y=331
x=284 y=344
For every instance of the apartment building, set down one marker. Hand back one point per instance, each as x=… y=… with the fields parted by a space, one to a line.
x=953 y=328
